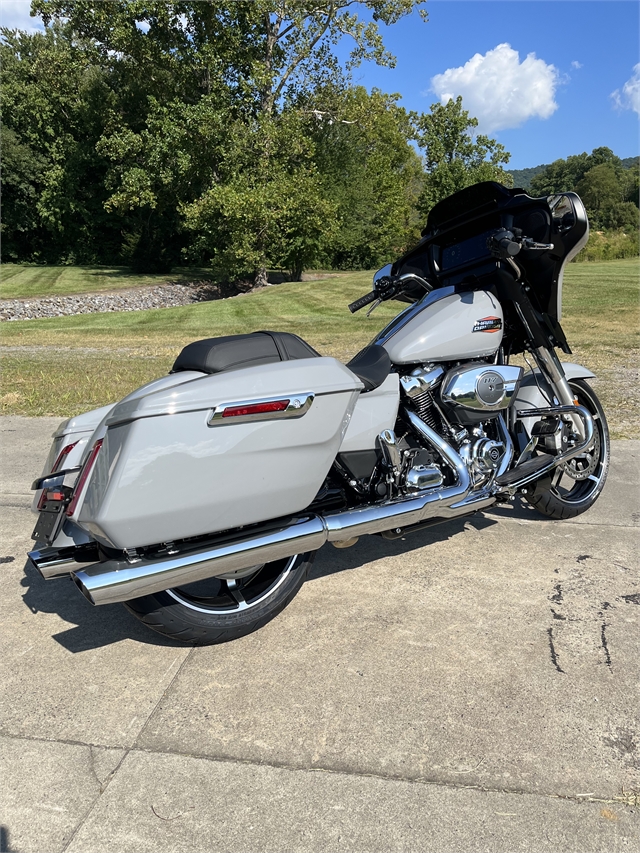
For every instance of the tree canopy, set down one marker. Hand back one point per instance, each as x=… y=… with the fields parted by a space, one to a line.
x=608 y=189
x=155 y=133
x=454 y=157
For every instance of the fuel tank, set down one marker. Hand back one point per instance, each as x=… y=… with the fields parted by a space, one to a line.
x=445 y=326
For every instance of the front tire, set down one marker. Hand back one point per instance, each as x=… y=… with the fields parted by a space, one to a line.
x=574 y=487
x=218 y=610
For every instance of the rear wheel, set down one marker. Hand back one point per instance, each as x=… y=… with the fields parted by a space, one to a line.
x=574 y=487
x=220 y=609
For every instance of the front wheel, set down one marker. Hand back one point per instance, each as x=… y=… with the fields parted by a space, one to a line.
x=220 y=609
x=574 y=487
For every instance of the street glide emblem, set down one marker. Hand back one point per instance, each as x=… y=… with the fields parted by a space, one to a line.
x=488 y=324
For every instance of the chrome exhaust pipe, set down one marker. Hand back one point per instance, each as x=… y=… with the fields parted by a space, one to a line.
x=403 y=512
x=122 y=580
x=57 y=562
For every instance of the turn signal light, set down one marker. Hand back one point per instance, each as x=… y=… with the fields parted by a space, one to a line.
x=84 y=476
x=255 y=409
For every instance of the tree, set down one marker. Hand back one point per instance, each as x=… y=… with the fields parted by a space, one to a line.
x=274 y=215
x=600 y=187
x=564 y=175
x=454 y=157
x=23 y=175
x=370 y=171
x=620 y=216
x=54 y=99
x=252 y=59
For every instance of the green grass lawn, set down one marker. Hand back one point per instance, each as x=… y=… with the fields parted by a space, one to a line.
x=19 y=281
x=66 y=365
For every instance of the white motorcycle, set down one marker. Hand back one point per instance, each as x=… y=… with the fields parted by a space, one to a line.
x=200 y=499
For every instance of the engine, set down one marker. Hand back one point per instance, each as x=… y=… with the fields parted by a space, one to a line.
x=462 y=404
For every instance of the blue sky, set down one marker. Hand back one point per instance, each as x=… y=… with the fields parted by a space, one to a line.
x=592 y=46
x=546 y=78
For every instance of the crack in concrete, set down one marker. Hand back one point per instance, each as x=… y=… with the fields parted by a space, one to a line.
x=275 y=765
x=552 y=650
x=102 y=786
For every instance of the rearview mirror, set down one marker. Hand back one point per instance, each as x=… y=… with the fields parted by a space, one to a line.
x=386 y=270
x=563 y=212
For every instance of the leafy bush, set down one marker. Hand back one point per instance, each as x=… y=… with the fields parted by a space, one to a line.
x=609 y=246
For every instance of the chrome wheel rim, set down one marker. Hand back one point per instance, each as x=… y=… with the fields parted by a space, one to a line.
x=226 y=596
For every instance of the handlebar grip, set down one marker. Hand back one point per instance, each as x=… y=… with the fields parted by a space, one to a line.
x=502 y=244
x=509 y=247
x=364 y=300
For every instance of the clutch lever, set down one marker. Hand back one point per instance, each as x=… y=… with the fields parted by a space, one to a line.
x=374 y=306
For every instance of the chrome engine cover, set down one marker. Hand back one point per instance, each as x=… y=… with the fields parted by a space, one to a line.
x=482 y=457
x=481 y=387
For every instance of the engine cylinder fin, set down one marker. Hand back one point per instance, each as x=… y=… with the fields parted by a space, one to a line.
x=426 y=411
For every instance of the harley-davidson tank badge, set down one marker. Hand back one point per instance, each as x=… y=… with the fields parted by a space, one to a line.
x=488 y=324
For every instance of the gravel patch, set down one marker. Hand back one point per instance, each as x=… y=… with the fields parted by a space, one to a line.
x=169 y=295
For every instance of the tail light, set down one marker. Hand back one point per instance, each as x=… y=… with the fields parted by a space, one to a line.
x=255 y=409
x=84 y=476
x=62 y=457
x=57 y=465
x=51 y=496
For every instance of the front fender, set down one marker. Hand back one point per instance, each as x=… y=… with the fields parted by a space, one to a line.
x=531 y=396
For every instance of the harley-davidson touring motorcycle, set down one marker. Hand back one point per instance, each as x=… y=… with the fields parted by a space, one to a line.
x=200 y=499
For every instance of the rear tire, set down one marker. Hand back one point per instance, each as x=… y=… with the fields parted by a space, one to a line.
x=222 y=609
x=574 y=487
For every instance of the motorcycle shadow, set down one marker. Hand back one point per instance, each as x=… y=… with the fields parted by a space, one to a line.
x=93 y=627
x=331 y=560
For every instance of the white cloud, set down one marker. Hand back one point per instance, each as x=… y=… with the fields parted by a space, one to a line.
x=499 y=90
x=14 y=14
x=629 y=97
x=576 y=64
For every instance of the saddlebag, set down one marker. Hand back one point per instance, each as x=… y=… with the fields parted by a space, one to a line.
x=216 y=451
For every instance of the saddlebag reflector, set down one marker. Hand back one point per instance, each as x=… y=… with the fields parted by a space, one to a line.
x=261 y=410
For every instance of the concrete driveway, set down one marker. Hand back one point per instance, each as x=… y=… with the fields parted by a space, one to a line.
x=471 y=688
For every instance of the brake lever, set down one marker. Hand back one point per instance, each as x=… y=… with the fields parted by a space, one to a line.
x=529 y=243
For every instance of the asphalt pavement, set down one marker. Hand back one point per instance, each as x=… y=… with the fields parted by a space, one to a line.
x=473 y=687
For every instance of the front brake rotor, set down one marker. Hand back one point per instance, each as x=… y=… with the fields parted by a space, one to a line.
x=581 y=467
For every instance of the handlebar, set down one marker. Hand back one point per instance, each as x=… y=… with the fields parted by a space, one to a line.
x=364 y=300
x=387 y=287
x=530 y=243
x=504 y=244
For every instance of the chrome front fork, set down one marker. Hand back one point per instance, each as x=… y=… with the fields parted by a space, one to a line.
x=552 y=370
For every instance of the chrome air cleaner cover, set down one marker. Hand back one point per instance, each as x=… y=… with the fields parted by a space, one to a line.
x=481 y=387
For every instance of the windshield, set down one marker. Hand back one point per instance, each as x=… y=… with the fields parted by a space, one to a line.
x=454 y=250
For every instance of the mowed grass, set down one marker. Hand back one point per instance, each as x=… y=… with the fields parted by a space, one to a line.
x=24 y=281
x=66 y=365
x=601 y=318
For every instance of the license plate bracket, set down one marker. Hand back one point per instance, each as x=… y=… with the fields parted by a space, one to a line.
x=49 y=523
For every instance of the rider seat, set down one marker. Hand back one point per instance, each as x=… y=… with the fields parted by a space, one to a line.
x=234 y=352
x=371 y=365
